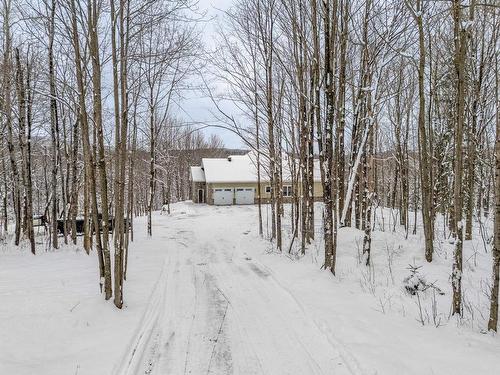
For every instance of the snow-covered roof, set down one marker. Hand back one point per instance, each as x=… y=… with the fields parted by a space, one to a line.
x=239 y=168
x=234 y=168
x=197 y=174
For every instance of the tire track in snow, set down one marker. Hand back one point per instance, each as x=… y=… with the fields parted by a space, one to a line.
x=197 y=311
x=352 y=363
x=260 y=318
x=133 y=358
x=192 y=324
x=238 y=330
x=272 y=324
x=291 y=328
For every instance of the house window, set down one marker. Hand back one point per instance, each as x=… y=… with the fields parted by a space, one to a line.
x=287 y=191
x=268 y=189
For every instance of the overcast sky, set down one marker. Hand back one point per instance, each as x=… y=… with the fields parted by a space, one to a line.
x=196 y=107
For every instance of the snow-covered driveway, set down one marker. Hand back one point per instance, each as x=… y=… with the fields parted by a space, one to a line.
x=216 y=310
x=205 y=295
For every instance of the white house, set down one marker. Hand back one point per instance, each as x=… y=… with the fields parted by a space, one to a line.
x=233 y=180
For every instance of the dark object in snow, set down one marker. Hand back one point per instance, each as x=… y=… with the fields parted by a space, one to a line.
x=39 y=221
x=80 y=225
x=415 y=282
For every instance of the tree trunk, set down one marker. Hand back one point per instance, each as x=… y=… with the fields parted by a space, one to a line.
x=87 y=152
x=29 y=179
x=426 y=188
x=460 y=34
x=7 y=109
x=341 y=113
x=325 y=139
x=493 y=319
x=101 y=163
x=54 y=126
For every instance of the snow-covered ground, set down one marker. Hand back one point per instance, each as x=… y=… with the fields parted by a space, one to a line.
x=207 y=295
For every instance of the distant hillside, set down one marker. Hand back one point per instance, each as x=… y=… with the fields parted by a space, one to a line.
x=195 y=155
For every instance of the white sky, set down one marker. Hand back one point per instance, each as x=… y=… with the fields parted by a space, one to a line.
x=196 y=107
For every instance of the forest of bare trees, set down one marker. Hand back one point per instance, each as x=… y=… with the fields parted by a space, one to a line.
x=88 y=129
x=399 y=102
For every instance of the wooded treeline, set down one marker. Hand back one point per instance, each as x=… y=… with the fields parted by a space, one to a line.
x=397 y=100
x=87 y=98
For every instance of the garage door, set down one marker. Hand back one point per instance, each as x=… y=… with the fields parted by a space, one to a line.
x=245 y=195
x=223 y=197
